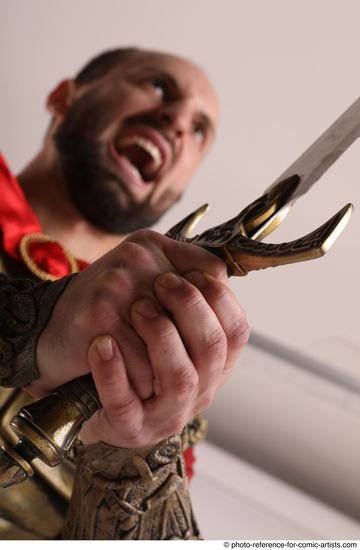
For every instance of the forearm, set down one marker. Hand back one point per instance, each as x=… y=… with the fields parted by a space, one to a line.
x=25 y=307
x=131 y=494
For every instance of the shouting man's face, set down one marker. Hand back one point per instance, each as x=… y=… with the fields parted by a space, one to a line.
x=131 y=140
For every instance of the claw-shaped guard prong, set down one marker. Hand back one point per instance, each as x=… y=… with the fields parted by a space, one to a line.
x=181 y=231
x=237 y=241
x=243 y=254
x=257 y=220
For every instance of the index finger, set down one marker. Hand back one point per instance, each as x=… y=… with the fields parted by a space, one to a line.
x=182 y=256
x=120 y=420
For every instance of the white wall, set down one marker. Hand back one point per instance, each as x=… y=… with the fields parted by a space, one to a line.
x=284 y=71
x=285 y=415
x=235 y=500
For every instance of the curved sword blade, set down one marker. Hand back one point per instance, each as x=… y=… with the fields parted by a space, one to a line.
x=312 y=164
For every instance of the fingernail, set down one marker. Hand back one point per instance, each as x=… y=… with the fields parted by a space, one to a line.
x=169 y=280
x=146 y=308
x=196 y=278
x=105 y=348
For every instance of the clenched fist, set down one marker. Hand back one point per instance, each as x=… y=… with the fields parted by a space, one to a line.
x=156 y=324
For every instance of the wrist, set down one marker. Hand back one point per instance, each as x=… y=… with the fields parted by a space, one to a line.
x=25 y=309
x=131 y=494
x=44 y=347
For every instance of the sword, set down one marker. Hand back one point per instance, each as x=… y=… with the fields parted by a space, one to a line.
x=47 y=429
x=237 y=241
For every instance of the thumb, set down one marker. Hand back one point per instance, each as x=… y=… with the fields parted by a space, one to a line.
x=121 y=417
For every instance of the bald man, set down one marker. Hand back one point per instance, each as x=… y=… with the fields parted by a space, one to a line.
x=153 y=320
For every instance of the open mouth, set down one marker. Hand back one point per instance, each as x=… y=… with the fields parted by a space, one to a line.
x=143 y=152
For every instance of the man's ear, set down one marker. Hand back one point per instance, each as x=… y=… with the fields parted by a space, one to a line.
x=60 y=99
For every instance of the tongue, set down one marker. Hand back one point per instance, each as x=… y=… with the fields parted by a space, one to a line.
x=141 y=159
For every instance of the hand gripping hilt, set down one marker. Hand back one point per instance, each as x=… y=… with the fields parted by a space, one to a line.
x=47 y=429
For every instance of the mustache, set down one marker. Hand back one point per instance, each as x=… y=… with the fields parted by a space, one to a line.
x=152 y=120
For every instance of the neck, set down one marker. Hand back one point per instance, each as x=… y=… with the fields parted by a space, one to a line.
x=48 y=196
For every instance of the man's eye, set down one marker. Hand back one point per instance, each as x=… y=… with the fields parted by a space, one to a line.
x=199 y=132
x=159 y=88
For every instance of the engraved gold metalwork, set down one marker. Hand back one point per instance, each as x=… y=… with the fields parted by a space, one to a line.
x=132 y=494
x=47 y=428
x=195 y=431
x=237 y=241
x=60 y=478
x=14 y=468
x=43 y=275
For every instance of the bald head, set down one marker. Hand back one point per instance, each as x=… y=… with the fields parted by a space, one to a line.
x=137 y=125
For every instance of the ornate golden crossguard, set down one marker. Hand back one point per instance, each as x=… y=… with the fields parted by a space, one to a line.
x=47 y=429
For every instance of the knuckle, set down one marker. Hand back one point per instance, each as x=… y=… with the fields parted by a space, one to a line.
x=111 y=281
x=117 y=411
x=210 y=262
x=135 y=253
x=216 y=343
x=190 y=298
x=217 y=290
x=140 y=235
x=164 y=329
x=185 y=382
x=239 y=333
x=145 y=237
x=218 y=269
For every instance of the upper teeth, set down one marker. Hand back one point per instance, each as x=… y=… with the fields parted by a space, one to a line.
x=146 y=144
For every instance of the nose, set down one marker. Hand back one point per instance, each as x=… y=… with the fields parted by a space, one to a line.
x=176 y=117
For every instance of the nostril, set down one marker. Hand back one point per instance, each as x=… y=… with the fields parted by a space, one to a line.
x=171 y=122
x=165 y=117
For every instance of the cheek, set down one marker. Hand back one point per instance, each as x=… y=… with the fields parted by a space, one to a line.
x=120 y=106
x=188 y=164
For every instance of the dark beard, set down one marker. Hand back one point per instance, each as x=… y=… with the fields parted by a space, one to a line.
x=99 y=195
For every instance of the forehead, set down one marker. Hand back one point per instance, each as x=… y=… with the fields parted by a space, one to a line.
x=192 y=81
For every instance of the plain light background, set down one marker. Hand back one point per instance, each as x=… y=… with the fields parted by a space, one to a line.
x=284 y=70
